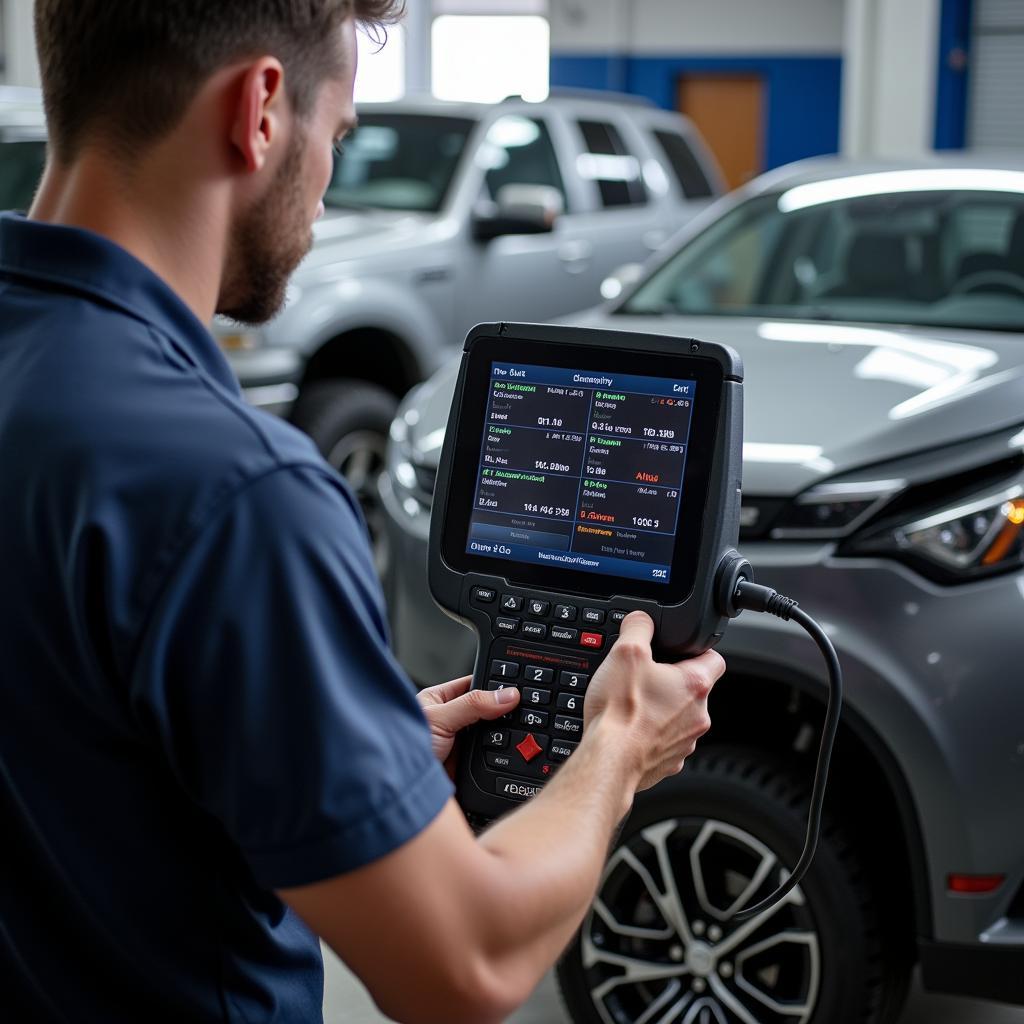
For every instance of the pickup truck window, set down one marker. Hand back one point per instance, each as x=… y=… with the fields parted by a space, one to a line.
x=518 y=151
x=685 y=165
x=21 y=167
x=398 y=162
x=608 y=162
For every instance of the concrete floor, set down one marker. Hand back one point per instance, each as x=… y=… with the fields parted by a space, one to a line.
x=346 y=1002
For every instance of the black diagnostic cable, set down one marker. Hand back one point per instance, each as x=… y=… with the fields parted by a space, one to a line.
x=738 y=593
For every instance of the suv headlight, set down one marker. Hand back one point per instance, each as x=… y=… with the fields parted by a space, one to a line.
x=411 y=478
x=975 y=536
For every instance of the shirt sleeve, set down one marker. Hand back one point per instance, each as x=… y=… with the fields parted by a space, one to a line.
x=265 y=675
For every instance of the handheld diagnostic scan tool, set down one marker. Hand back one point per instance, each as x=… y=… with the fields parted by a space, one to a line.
x=585 y=474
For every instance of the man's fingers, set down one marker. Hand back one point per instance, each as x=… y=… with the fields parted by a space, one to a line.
x=710 y=666
x=454 y=688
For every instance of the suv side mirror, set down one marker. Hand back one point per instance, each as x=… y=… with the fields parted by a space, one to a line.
x=519 y=210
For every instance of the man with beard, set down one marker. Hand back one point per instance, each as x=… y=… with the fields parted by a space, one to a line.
x=208 y=756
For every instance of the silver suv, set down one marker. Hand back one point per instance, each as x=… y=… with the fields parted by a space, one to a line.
x=879 y=312
x=440 y=215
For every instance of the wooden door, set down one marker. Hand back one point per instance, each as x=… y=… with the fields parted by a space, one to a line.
x=728 y=111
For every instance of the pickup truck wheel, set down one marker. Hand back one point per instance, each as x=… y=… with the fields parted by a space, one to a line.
x=349 y=422
x=658 y=945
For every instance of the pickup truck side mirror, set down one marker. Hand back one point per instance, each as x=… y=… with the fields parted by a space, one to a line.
x=518 y=210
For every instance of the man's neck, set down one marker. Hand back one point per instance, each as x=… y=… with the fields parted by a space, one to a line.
x=175 y=227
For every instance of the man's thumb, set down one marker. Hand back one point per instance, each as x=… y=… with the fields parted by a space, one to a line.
x=477 y=705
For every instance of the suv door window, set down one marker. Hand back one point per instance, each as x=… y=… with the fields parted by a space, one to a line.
x=685 y=165
x=519 y=151
x=608 y=162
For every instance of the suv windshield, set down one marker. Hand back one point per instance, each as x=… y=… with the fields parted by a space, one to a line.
x=398 y=162
x=950 y=258
x=21 y=167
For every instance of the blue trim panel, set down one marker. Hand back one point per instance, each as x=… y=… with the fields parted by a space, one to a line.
x=951 y=80
x=802 y=94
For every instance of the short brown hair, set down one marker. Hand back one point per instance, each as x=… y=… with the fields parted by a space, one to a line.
x=128 y=69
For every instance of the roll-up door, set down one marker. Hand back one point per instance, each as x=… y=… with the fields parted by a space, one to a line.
x=995 y=117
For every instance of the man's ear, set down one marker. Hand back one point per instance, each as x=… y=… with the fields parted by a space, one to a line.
x=256 y=118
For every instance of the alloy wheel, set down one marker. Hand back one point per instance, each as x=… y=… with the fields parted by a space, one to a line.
x=659 y=946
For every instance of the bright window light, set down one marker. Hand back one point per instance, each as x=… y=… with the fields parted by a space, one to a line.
x=483 y=59
x=381 y=74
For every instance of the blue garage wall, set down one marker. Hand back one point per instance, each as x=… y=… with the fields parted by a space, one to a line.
x=801 y=93
x=951 y=80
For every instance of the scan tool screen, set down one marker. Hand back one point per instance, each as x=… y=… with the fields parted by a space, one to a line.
x=582 y=469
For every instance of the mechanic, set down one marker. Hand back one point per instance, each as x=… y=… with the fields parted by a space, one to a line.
x=208 y=756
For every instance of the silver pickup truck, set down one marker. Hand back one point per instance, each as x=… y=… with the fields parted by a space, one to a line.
x=442 y=215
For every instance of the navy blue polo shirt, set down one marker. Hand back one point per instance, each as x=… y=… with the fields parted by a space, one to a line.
x=197 y=701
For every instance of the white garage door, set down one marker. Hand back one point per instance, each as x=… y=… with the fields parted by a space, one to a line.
x=996 y=112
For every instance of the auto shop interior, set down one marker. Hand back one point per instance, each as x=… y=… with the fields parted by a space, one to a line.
x=327 y=606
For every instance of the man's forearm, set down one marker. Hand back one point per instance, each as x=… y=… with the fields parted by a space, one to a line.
x=553 y=849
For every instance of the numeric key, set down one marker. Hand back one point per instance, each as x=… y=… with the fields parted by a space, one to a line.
x=573 y=680
x=533 y=719
x=570 y=702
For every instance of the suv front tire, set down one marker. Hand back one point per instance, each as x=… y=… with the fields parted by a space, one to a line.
x=658 y=945
x=349 y=421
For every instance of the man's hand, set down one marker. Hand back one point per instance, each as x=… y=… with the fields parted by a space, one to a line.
x=452 y=706
x=662 y=707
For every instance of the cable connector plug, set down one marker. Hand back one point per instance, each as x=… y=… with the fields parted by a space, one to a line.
x=733 y=570
x=756 y=598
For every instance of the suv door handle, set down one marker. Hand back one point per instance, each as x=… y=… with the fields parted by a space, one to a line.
x=576 y=255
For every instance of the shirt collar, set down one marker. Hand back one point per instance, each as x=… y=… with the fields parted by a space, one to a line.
x=82 y=261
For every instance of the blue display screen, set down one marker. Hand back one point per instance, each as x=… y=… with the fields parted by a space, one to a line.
x=582 y=470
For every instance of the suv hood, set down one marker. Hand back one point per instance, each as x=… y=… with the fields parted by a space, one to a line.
x=825 y=398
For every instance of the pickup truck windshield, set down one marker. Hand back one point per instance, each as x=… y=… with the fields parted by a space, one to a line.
x=930 y=258
x=398 y=162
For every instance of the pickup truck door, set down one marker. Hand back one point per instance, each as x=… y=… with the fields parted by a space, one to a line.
x=628 y=219
x=524 y=277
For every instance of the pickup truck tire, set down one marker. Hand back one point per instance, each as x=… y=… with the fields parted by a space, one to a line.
x=349 y=422
x=820 y=957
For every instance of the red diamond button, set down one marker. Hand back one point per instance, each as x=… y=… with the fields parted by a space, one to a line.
x=529 y=748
